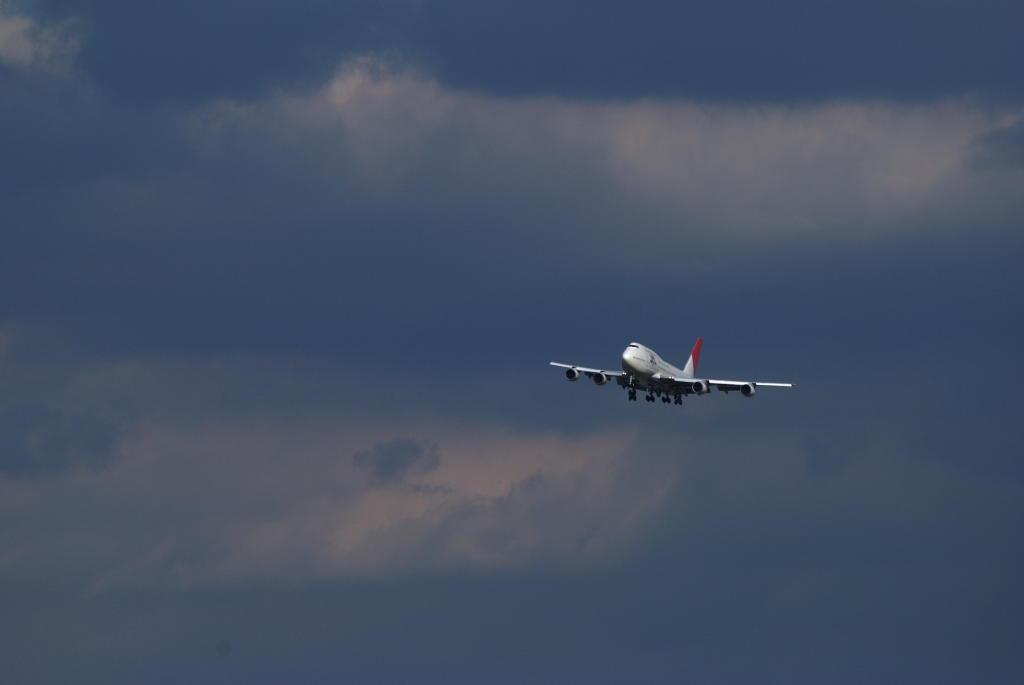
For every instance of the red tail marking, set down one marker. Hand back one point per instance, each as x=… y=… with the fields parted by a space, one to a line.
x=696 y=353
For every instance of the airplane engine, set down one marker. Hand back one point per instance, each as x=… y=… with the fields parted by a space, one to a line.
x=600 y=378
x=572 y=374
x=748 y=390
x=701 y=387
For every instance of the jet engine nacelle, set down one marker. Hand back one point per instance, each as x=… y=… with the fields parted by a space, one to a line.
x=701 y=387
x=572 y=374
x=600 y=378
x=748 y=390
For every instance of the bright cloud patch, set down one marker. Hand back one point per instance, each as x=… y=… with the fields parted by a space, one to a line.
x=25 y=44
x=189 y=496
x=303 y=499
x=588 y=174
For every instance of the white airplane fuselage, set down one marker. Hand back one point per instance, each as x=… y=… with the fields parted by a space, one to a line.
x=643 y=364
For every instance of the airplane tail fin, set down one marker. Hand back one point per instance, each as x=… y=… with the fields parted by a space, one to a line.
x=691 y=365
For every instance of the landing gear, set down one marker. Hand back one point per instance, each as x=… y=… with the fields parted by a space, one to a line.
x=649 y=397
x=632 y=395
x=679 y=398
x=664 y=399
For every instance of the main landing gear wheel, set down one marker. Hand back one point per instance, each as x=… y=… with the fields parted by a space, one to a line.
x=679 y=399
x=632 y=395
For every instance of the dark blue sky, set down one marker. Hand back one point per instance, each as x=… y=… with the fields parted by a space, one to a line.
x=279 y=285
x=735 y=51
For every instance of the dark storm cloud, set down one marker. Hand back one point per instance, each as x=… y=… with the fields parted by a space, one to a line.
x=387 y=210
x=390 y=461
x=739 y=51
x=748 y=553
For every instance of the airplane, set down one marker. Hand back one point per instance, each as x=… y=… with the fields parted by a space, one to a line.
x=643 y=369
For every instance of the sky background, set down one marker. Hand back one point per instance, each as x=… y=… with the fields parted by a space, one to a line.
x=280 y=282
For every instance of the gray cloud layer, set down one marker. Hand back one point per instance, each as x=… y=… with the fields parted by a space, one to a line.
x=299 y=210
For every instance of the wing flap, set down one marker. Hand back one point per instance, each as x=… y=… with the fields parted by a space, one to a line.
x=683 y=384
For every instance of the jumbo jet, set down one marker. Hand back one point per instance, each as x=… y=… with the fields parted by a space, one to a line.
x=643 y=369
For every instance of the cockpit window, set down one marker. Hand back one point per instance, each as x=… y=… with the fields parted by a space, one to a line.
x=636 y=346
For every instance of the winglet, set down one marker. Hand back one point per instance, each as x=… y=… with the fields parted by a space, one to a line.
x=691 y=365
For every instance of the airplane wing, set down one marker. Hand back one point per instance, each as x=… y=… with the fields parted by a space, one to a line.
x=686 y=384
x=730 y=385
x=589 y=373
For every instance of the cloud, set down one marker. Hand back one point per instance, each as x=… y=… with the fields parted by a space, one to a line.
x=25 y=44
x=1001 y=147
x=201 y=490
x=227 y=502
x=391 y=461
x=389 y=209
x=36 y=439
x=198 y=486
x=672 y=171
x=296 y=341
